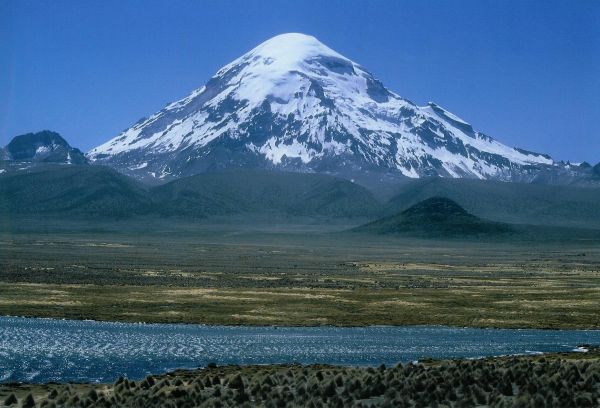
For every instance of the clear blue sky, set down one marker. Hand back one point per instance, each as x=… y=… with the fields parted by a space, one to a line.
x=524 y=72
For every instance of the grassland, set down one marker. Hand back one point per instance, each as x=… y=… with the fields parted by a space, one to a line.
x=309 y=274
x=556 y=380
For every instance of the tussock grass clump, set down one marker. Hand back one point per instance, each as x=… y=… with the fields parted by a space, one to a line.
x=561 y=380
x=10 y=400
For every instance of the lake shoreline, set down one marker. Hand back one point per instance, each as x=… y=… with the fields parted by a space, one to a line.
x=45 y=350
x=341 y=326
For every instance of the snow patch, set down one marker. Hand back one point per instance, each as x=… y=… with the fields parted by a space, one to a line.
x=139 y=166
x=276 y=151
x=42 y=150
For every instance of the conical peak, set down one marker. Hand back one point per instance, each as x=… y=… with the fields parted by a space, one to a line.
x=293 y=42
x=435 y=206
x=289 y=67
x=296 y=103
x=287 y=39
x=292 y=48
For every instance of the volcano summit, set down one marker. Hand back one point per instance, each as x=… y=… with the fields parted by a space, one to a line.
x=294 y=104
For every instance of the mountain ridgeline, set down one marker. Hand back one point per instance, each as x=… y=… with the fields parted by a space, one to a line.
x=293 y=194
x=99 y=191
x=52 y=190
x=84 y=191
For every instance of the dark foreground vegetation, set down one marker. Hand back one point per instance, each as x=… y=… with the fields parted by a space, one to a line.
x=556 y=380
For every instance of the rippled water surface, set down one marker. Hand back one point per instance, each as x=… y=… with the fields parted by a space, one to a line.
x=42 y=350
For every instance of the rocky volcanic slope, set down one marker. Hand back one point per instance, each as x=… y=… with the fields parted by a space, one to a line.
x=292 y=103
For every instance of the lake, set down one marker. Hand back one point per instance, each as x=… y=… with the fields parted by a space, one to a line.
x=43 y=350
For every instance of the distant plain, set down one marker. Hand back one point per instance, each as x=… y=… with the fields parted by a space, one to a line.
x=311 y=272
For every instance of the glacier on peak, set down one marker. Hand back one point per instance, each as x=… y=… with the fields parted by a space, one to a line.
x=294 y=103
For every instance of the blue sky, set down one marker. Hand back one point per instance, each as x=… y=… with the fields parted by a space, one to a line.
x=524 y=72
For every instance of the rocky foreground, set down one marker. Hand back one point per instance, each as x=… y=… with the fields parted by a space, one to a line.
x=556 y=380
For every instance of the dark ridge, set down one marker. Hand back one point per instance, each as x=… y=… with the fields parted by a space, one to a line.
x=84 y=191
x=435 y=217
x=511 y=203
x=76 y=190
x=254 y=191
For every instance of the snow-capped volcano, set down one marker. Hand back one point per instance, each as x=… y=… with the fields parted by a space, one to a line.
x=294 y=103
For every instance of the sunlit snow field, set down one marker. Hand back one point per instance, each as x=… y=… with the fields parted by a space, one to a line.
x=42 y=350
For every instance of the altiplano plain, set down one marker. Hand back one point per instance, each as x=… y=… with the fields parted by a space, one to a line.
x=294 y=275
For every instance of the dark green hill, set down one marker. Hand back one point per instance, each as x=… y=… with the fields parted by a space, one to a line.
x=84 y=190
x=71 y=190
x=514 y=203
x=435 y=217
x=293 y=194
